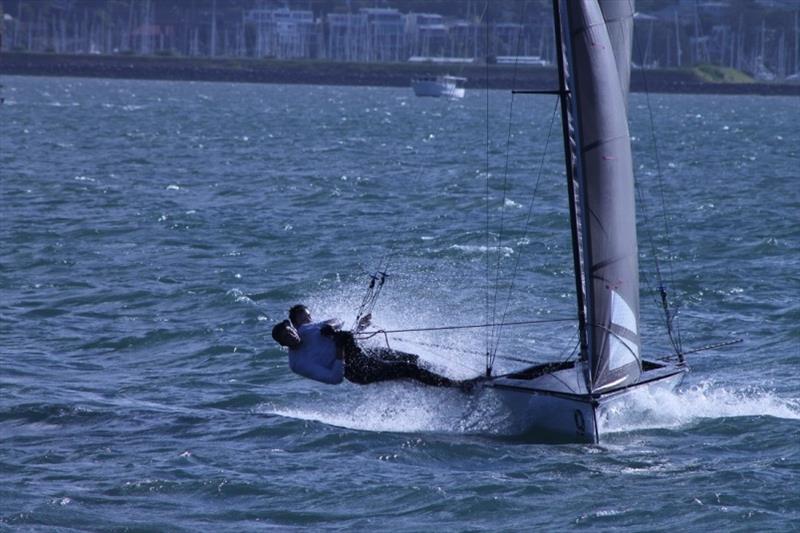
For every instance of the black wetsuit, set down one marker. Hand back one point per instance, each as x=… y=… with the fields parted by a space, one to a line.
x=364 y=366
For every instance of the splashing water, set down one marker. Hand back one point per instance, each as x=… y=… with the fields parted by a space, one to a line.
x=663 y=409
x=454 y=353
x=404 y=407
x=401 y=407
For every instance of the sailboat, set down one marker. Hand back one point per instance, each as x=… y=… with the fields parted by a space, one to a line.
x=566 y=400
x=436 y=86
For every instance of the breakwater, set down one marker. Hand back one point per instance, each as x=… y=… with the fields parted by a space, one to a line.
x=334 y=73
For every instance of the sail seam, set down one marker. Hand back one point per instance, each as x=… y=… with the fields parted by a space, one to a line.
x=585 y=29
x=601 y=142
x=607 y=262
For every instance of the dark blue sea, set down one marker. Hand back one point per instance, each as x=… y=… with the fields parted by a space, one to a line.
x=151 y=233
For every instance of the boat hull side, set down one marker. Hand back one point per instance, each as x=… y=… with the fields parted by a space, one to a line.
x=558 y=417
x=545 y=417
x=435 y=89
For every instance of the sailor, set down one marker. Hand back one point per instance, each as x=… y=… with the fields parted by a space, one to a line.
x=323 y=352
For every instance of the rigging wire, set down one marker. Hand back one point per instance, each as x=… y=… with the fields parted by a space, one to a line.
x=458 y=362
x=527 y=224
x=368 y=334
x=488 y=289
x=462 y=351
x=669 y=316
x=365 y=335
x=495 y=333
x=376 y=283
x=701 y=349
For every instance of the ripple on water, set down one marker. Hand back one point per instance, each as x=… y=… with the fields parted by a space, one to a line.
x=152 y=236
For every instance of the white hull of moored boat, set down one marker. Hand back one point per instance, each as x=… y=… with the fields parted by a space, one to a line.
x=437 y=90
x=439 y=86
x=549 y=404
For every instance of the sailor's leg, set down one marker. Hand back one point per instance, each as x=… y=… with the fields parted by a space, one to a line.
x=383 y=370
x=382 y=364
x=358 y=366
x=427 y=377
x=387 y=354
x=403 y=365
x=345 y=344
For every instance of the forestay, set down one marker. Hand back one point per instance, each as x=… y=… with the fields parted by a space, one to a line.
x=598 y=58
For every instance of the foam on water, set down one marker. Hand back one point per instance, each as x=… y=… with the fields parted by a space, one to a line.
x=399 y=407
x=481 y=249
x=404 y=407
x=131 y=374
x=663 y=409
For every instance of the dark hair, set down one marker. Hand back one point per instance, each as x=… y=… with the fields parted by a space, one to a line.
x=294 y=312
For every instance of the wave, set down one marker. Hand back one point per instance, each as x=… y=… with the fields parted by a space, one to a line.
x=404 y=407
x=481 y=249
x=662 y=409
x=239 y=297
x=399 y=407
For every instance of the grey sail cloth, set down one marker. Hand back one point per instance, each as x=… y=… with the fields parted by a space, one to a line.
x=618 y=16
x=604 y=197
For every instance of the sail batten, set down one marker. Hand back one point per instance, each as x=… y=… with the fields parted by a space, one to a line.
x=604 y=189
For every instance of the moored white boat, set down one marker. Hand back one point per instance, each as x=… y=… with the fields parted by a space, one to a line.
x=438 y=86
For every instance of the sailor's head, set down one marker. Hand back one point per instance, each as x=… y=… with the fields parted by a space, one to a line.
x=299 y=315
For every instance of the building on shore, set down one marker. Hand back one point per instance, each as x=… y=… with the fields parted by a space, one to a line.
x=761 y=37
x=283 y=33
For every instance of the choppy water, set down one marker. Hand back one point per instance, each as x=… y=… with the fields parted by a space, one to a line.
x=152 y=232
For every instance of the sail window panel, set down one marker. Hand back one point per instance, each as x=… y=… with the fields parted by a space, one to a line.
x=621 y=313
x=621 y=353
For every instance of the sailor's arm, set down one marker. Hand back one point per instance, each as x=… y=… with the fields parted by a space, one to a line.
x=329 y=326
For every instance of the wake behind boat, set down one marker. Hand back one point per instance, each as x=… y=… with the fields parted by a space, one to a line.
x=438 y=86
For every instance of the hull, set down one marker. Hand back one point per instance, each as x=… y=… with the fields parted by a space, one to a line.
x=438 y=87
x=549 y=403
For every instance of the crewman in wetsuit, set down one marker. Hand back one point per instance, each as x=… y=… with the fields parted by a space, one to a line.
x=322 y=352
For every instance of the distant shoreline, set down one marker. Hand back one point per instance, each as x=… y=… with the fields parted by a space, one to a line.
x=359 y=74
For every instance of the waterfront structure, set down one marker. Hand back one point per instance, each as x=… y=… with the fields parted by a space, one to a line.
x=385 y=34
x=760 y=37
x=427 y=34
x=283 y=33
x=343 y=37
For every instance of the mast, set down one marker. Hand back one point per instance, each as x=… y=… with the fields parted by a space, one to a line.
x=568 y=158
x=679 y=53
x=796 y=42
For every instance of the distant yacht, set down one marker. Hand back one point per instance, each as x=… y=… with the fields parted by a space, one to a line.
x=447 y=86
